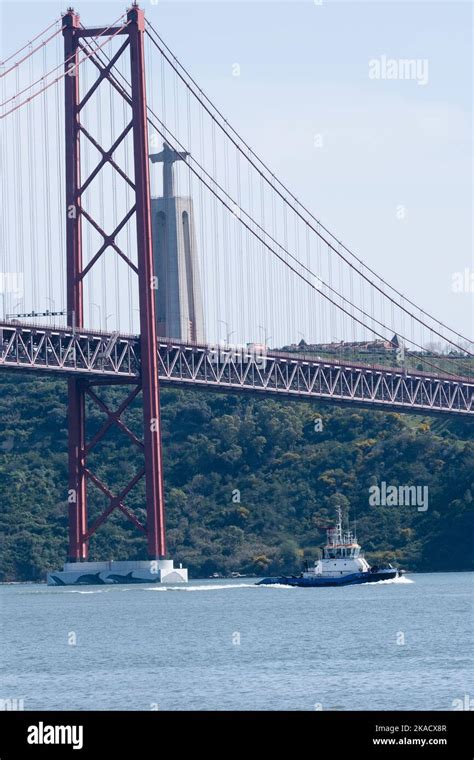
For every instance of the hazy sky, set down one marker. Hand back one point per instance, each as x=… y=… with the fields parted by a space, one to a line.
x=385 y=163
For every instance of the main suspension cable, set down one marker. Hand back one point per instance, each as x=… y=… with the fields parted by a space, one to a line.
x=295 y=210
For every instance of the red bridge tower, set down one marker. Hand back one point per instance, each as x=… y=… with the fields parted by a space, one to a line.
x=157 y=567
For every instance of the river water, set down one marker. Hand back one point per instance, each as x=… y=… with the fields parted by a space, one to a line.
x=231 y=645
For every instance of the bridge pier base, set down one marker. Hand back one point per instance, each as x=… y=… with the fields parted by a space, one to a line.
x=117 y=572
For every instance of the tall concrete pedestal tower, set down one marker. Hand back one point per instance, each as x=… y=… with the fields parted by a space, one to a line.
x=179 y=309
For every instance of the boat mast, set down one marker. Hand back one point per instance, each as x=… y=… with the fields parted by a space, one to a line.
x=339 y=525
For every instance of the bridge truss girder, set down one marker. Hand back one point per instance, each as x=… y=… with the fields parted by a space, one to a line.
x=116 y=359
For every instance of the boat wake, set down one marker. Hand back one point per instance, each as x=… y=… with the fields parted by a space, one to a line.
x=157 y=587
x=400 y=579
x=210 y=587
x=109 y=587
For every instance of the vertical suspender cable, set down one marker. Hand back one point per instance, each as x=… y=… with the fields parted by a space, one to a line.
x=60 y=190
x=47 y=190
x=20 y=254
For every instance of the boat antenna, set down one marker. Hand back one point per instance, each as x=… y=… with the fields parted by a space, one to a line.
x=355 y=523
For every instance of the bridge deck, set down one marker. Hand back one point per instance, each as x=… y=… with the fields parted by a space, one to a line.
x=116 y=358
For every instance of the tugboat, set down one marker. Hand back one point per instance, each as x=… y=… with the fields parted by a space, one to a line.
x=342 y=564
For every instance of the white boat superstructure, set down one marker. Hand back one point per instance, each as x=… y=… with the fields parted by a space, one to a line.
x=341 y=556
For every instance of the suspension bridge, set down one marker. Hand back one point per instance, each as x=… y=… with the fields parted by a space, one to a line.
x=145 y=243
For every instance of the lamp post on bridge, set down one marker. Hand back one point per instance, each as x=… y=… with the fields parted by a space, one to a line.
x=266 y=336
x=100 y=313
x=228 y=334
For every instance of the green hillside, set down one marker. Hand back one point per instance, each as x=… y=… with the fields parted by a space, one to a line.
x=251 y=483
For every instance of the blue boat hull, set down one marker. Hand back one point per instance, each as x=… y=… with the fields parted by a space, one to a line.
x=345 y=580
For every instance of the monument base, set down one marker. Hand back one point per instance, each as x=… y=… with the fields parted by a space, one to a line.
x=101 y=573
